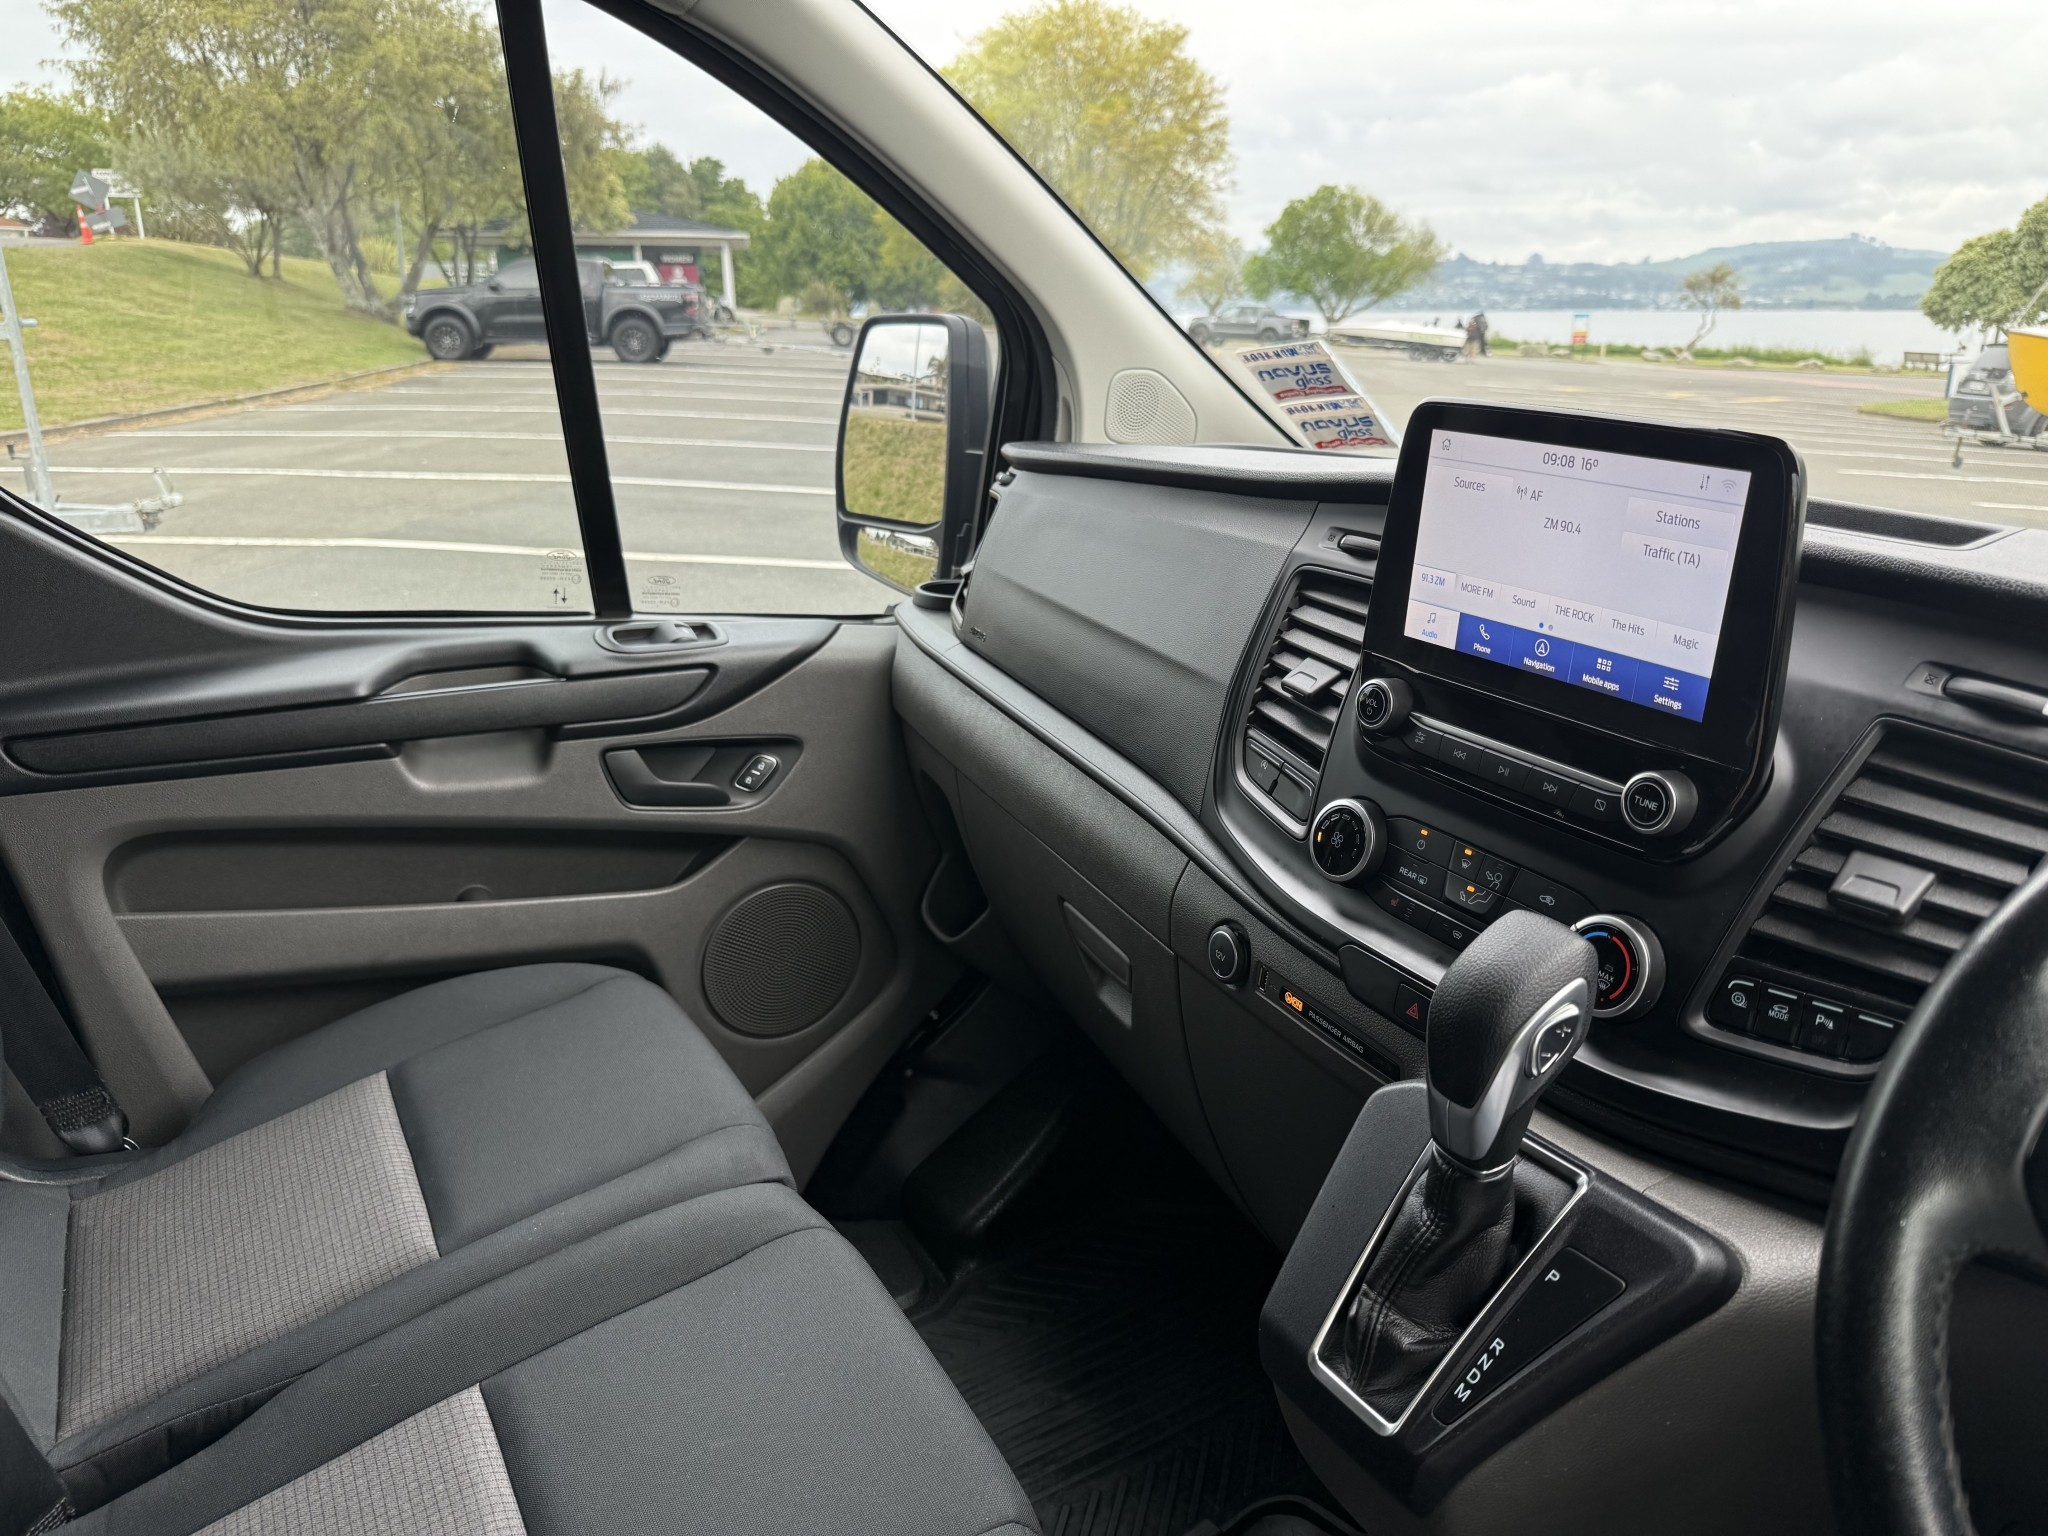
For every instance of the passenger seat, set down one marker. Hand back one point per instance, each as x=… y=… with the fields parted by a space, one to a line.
x=385 y=1259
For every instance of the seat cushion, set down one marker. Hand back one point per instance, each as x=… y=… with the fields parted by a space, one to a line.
x=727 y=1366
x=371 y=1170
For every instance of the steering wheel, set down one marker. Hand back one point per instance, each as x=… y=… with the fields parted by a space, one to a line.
x=1937 y=1174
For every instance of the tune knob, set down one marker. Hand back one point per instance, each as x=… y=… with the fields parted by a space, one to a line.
x=1658 y=803
x=1347 y=839
x=1383 y=705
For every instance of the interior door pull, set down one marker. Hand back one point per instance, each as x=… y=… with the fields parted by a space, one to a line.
x=639 y=784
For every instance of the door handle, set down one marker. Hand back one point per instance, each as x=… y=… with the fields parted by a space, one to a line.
x=673 y=783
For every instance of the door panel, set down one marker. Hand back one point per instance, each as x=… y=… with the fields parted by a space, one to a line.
x=194 y=921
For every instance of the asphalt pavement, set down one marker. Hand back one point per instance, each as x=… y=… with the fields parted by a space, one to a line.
x=450 y=489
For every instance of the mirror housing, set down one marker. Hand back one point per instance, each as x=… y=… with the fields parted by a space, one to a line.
x=911 y=476
x=495 y=286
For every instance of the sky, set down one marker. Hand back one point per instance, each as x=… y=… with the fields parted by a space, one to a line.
x=1579 y=129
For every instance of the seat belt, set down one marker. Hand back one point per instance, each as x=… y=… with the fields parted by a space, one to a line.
x=33 y=1499
x=48 y=1059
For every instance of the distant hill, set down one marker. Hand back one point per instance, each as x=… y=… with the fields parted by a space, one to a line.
x=1855 y=272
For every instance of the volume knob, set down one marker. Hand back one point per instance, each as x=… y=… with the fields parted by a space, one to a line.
x=1383 y=705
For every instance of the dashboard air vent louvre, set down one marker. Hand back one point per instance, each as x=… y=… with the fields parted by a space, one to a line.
x=1977 y=821
x=1307 y=672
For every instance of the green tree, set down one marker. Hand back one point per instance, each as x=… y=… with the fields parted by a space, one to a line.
x=1111 y=110
x=1995 y=281
x=591 y=137
x=190 y=198
x=45 y=141
x=1343 y=250
x=1215 y=271
x=655 y=180
x=821 y=229
x=1710 y=290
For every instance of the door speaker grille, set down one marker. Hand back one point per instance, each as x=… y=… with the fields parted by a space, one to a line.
x=781 y=959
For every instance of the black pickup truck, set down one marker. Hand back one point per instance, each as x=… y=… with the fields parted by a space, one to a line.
x=638 y=322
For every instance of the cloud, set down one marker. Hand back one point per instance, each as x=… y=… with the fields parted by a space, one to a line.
x=1585 y=129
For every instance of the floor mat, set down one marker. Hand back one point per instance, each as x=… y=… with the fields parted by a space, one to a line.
x=1115 y=1364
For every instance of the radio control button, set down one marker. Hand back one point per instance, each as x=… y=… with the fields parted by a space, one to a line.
x=1552 y=789
x=1422 y=740
x=1501 y=771
x=1465 y=756
x=1591 y=803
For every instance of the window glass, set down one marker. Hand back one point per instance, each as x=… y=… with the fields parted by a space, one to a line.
x=743 y=264
x=300 y=362
x=1828 y=223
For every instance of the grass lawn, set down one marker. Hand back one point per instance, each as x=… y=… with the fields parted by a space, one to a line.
x=131 y=325
x=895 y=468
x=1927 y=408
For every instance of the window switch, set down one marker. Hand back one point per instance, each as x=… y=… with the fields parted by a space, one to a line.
x=754 y=777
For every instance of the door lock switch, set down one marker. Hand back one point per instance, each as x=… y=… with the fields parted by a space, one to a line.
x=754 y=776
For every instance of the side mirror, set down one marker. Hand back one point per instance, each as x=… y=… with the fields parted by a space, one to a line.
x=495 y=286
x=913 y=447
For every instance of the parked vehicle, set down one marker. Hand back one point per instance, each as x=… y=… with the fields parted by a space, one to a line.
x=1997 y=402
x=637 y=321
x=1246 y=322
x=1424 y=343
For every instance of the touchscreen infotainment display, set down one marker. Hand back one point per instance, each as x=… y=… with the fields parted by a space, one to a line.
x=1606 y=571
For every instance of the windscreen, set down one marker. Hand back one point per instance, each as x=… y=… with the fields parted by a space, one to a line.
x=1604 y=571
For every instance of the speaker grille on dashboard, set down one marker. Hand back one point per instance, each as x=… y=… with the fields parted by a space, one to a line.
x=781 y=959
x=1144 y=407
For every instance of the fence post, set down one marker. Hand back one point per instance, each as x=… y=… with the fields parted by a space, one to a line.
x=39 y=489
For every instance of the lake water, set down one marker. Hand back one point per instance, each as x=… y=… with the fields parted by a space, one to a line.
x=1885 y=333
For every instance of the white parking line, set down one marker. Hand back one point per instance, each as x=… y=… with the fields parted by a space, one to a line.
x=679 y=391
x=549 y=410
x=484 y=477
x=1903 y=474
x=2010 y=506
x=505 y=437
x=449 y=547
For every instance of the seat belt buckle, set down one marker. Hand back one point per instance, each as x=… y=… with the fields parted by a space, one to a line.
x=88 y=1122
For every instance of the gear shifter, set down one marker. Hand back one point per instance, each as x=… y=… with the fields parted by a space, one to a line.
x=1509 y=1013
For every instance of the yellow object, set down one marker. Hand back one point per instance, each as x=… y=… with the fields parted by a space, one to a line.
x=2029 y=353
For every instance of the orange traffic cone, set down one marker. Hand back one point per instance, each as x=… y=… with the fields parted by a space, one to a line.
x=84 y=229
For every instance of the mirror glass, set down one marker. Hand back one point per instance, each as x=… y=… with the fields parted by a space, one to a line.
x=893 y=453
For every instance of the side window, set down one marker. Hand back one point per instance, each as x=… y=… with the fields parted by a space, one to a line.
x=721 y=371
x=293 y=351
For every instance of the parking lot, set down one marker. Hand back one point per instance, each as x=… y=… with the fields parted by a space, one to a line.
x=449 y=488
x=1851 y=456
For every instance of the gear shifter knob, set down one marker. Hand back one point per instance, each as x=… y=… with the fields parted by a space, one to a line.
x=1508 y=1014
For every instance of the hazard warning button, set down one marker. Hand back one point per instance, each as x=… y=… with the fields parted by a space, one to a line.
x=1411 y=1008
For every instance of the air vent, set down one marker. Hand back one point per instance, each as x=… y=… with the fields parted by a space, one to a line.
x=1302 y=685
x=1920 y=806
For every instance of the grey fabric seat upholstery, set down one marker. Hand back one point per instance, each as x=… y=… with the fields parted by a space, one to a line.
x=728 y=1365
x=362 y=1175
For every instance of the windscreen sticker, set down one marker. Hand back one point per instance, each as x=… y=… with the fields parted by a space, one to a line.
x=1319 y=400
x=1302 y=370
x=1349 y=421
